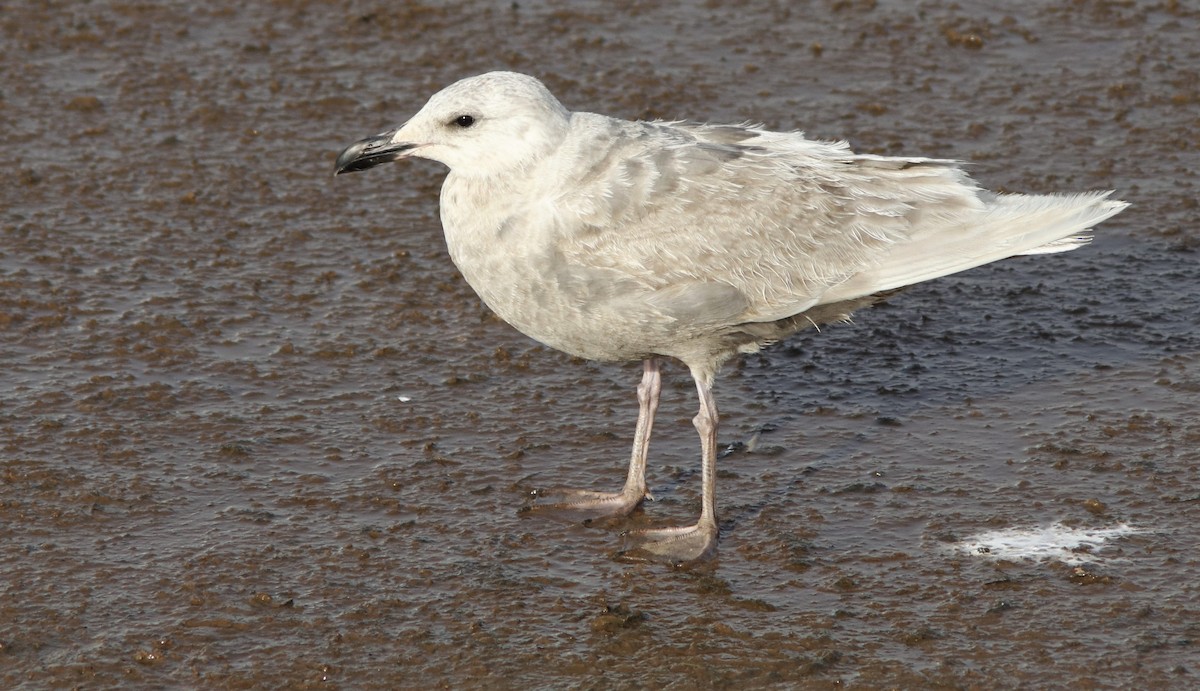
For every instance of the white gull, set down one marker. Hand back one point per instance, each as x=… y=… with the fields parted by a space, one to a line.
x=618 y=240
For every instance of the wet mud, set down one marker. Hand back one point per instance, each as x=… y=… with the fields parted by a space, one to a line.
x=257 y=433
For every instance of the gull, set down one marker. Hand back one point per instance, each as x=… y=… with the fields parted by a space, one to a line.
x=614 y=240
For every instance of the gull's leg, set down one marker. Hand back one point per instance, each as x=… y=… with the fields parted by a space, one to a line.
x=581 y=504
x=689 y=543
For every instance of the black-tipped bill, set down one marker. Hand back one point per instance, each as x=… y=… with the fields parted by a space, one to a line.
x=369 y=152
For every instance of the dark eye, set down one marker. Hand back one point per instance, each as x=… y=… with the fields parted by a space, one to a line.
x=464 y=121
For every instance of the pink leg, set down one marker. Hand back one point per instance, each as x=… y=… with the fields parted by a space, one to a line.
x=586 y=505
x=688 y=543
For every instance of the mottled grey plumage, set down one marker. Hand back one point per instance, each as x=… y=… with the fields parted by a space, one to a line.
x=618 y=240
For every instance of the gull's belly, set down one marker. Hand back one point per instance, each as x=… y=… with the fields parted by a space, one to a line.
x=545 y=301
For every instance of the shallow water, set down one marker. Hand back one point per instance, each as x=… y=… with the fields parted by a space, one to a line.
x=257 y=432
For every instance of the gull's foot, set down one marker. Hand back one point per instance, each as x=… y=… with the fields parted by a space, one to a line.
x=675 y=546
x=583 y=506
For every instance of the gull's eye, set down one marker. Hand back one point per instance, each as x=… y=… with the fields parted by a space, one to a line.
x=463 y=121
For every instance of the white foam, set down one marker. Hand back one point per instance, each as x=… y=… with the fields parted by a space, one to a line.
x=1039 y=543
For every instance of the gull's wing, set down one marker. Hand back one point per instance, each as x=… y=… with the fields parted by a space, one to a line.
x=768 y=222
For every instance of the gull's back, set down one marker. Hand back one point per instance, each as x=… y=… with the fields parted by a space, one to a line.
x=778 y=217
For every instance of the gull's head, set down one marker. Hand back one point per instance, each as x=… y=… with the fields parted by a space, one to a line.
x=493 y=123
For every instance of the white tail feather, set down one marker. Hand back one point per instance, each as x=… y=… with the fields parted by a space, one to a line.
x=1011 y=225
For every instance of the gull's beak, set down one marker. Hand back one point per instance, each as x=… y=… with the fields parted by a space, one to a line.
x=370 y=152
